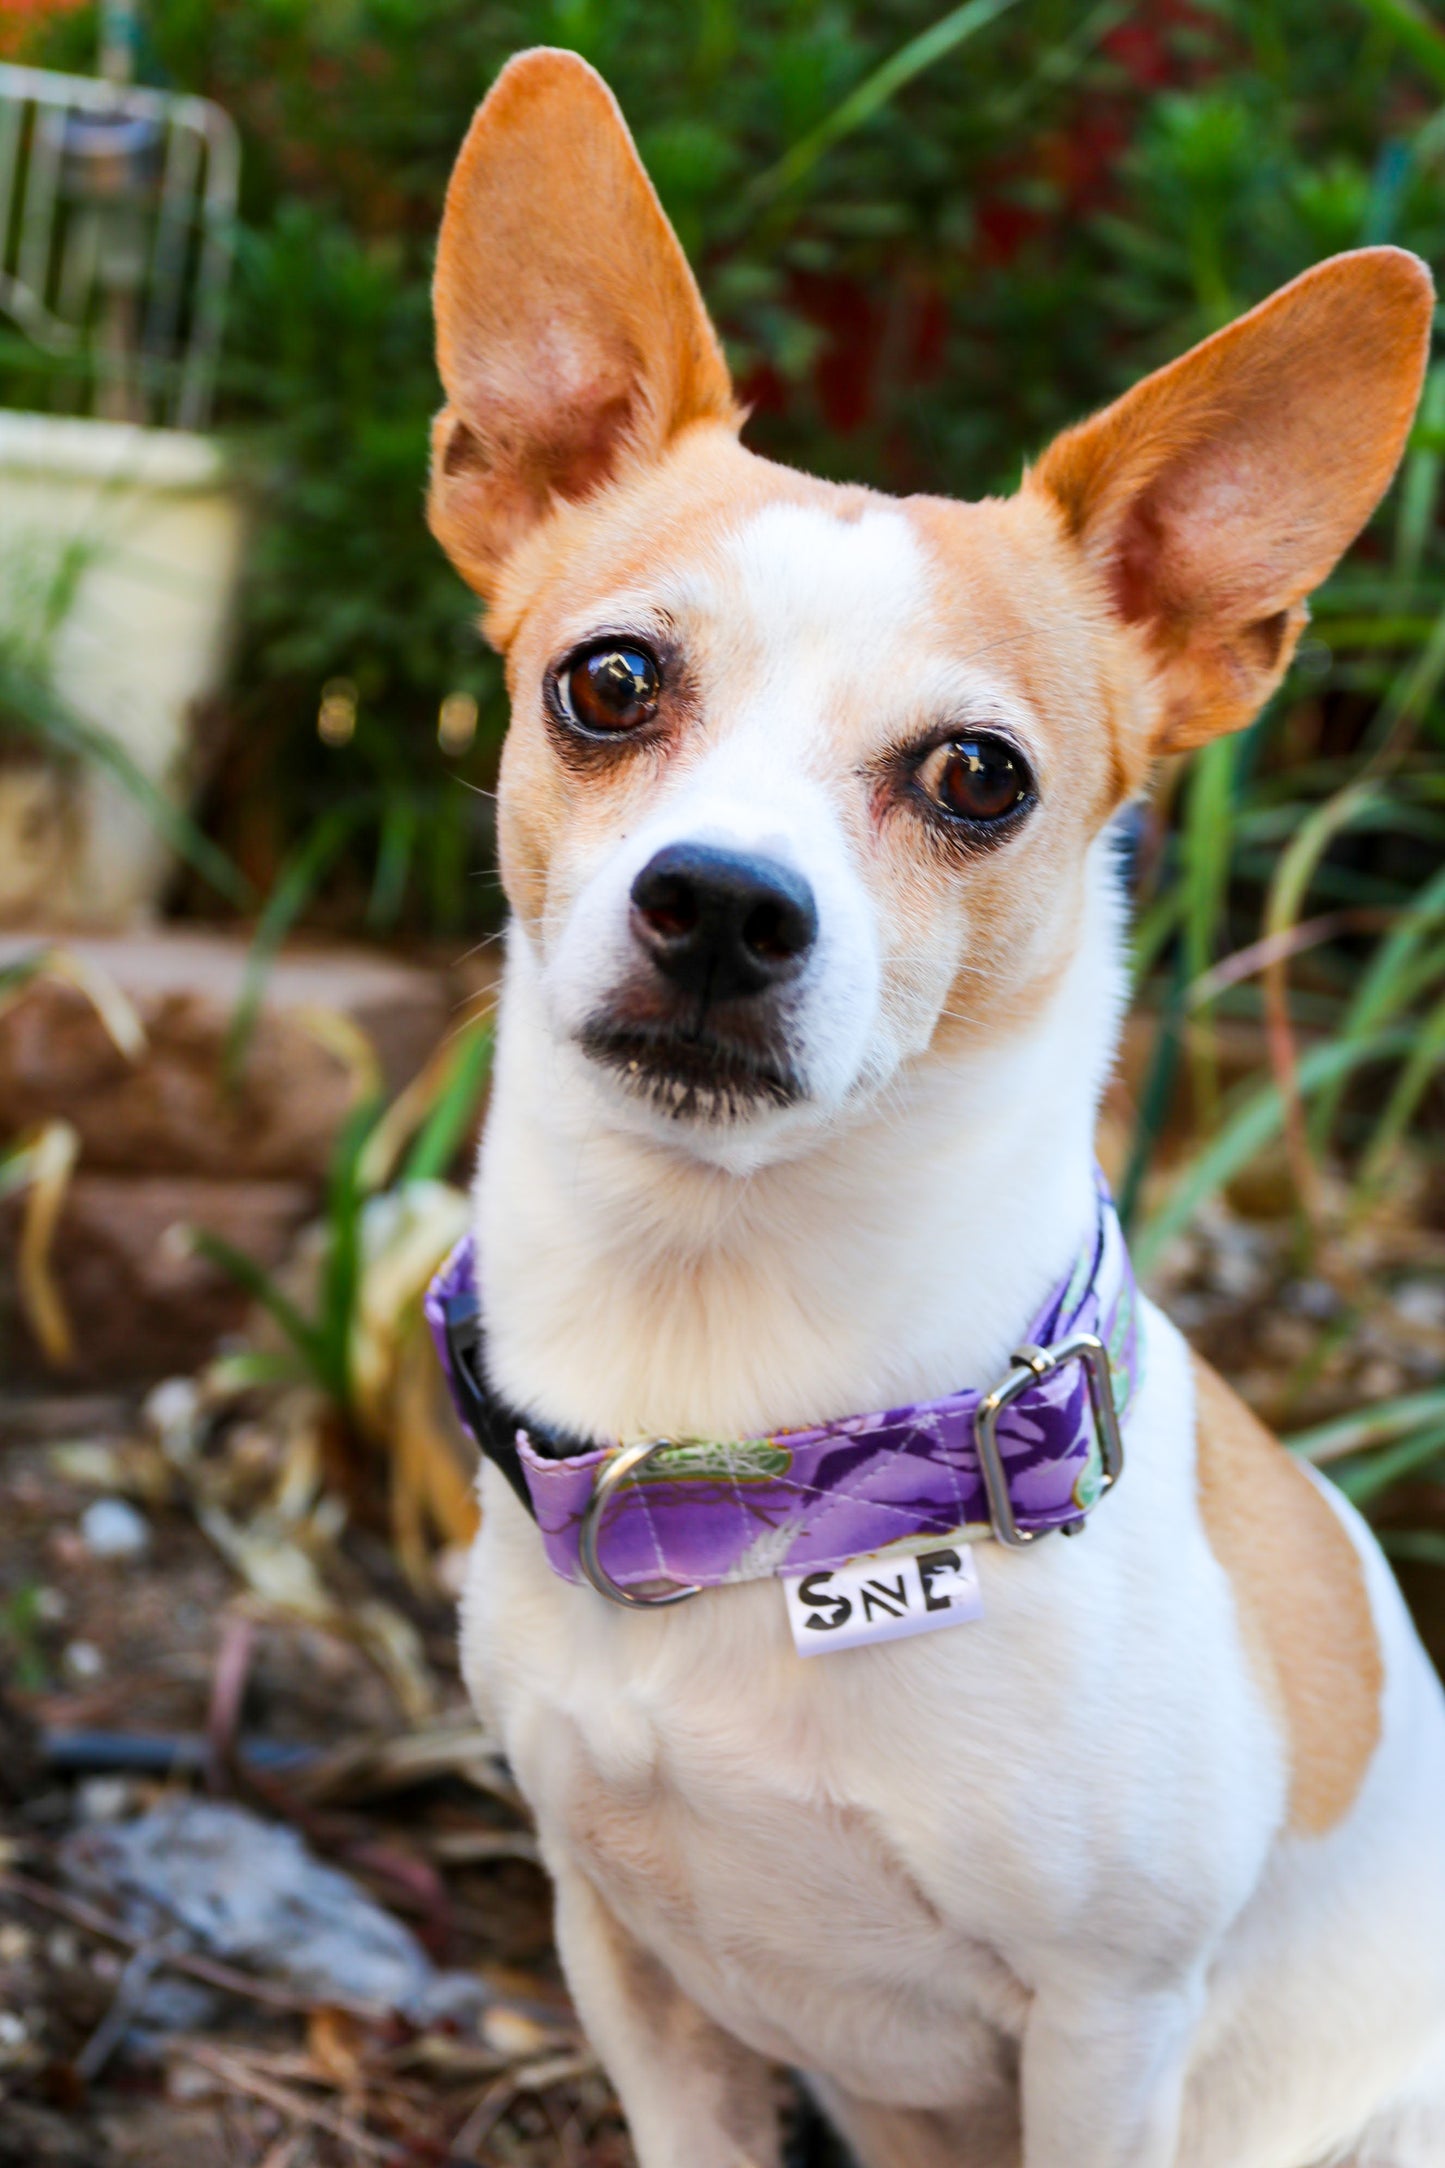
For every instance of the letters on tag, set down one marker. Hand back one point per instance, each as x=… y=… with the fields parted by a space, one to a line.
x=884 y=1597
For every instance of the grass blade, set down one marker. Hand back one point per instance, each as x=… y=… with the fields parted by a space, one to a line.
x=1410 y=1088
x=264 y=1290
x=1252 y=1126
x=41 y=1165
x=1389 y=982
x=1422 y=1546
x=299 y=880
x=1421 y=38
x=346 y=1196
x=868 y=98
x=1391 y=1466
x=440 y=1136
x=1383 y=1424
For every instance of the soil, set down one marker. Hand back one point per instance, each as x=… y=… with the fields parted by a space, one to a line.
x=133 y=1647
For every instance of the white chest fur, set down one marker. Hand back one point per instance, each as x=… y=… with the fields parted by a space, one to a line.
x=940 y=1814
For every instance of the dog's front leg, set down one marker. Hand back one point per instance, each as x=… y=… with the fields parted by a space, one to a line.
x=1103 y=2075
x=694 y=2097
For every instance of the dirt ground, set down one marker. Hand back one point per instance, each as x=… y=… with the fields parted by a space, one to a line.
x=285 y=1664
x=136 y=1645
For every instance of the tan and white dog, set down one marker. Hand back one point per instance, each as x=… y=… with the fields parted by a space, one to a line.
x=1145 y=1867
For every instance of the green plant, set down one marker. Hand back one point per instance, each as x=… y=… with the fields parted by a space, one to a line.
x=22 y=1635
x=358 y=1343
x=930 y=237
x=424 y=1128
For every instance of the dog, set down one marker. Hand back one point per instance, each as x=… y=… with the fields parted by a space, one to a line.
x=1136 y=1859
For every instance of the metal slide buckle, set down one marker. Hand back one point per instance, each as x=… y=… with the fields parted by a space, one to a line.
x=610 y=1477
x=1031 y=1364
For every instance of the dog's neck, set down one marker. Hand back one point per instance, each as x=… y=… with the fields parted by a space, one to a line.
x=630 y=1289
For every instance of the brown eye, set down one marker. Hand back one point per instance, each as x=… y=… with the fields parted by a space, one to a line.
x=978 y=779
x=610 y=688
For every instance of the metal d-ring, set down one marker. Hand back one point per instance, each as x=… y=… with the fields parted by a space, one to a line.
x=610 y=1477
x=1030 y=1365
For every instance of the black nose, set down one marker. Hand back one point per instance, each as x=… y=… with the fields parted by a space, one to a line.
x=721 y=923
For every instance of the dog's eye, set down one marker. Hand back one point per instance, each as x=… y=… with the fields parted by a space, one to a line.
x=976 y=778
x=614 y=686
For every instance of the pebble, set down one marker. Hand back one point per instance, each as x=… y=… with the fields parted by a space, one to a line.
x=83 y=1660
x=1315 y=1299
x=172 y=1409
x=104 y=1799
x=111 y=1528
x=1422 y=1302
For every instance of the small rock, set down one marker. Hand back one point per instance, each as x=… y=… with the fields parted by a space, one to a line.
x=456 y=1999
x=172 y=1410
x=170 y=2005
x=1236 y=1268
x=1422 y=1302
x=110 y=1528
x=245 y=1889
x=83 y=1660
x=104 y=1799
x=1314 y=1299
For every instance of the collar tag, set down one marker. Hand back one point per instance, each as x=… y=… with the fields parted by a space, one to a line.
x=885 y=1596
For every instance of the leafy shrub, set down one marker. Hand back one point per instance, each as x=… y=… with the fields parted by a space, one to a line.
x=929 y=241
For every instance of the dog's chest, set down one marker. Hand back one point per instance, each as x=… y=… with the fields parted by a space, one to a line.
x=781 y=1881
x=866 y=1863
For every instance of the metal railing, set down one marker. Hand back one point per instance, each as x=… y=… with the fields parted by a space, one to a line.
x=117 y=215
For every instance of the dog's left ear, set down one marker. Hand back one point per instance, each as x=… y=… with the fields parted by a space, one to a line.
x=1215 y=495
x=571 y=336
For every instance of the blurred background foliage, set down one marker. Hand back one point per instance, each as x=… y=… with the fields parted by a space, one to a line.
x=929 y=241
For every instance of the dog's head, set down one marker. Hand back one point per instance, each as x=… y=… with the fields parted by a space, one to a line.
x=802 y=782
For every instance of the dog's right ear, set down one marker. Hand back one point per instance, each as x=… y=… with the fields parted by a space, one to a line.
x=1215 y=495
x=571 y=337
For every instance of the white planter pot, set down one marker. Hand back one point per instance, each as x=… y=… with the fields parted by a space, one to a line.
x=157 y=530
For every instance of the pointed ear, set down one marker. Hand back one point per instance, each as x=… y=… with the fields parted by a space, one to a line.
x=571 y=337
x=1218 y=492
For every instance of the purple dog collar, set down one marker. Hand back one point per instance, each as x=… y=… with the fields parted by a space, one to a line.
x=652 y=1521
